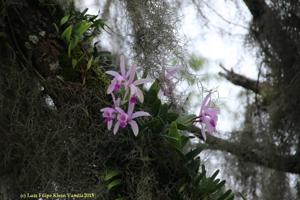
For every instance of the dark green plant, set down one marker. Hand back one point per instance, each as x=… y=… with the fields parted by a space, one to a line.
x=79 y=31
x=197 y=185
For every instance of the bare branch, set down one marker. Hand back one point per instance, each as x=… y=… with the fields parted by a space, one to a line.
x=251 y=153
x=241 y=80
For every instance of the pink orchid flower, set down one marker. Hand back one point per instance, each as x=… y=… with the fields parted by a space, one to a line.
x=171 y=72
x=119 y=79
x=109 y=113
x=126 y=79
x=208 y=117
x=127 y=118
x=170 y=86
x=132 y=85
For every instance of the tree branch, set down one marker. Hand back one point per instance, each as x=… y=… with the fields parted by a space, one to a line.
x=249 y=153
x=256 y=7
x=241 y=80
x=269 y=28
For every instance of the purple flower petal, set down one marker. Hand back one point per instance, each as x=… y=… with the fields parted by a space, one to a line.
x=134 y=127
x=139 y=114
x=208 y=117
x=141 y=81
x=131 y=74
x=113 y=73
x=132 y=89
x=116 y=128
x=130 y=109
x=171 y=72
x=205 y=103
x=109 y=124
x=120 y=110
x=111 y=87
x=140 y=94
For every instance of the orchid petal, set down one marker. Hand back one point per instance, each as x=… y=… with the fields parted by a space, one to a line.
x=139 y=114
x=206 y=100
x=126 y=91
x=130 y=108
x=171 y=72
x=134 y=127
x=109 y=124
x=133 y=89
x=204 y=103
x=131 y=74
x=104 y=109
x=113 y=73
x=206 y=121
x=120 y=110
x=211 y=111
x=140 y=94
x=141 y=81
x=116 y=101
x=111 y=87
x=116 y=128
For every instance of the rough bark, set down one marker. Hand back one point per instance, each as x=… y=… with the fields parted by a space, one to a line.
x=241 y=80
x=251 y=152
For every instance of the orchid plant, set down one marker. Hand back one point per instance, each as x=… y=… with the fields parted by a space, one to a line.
x=207 y=117
x=115 y=113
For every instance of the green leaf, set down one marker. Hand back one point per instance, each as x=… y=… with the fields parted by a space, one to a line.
x=111 y=174
x=155 y=125
x=155 y=108
x=64 y=19
x=226 y=196
x=177 y=140
x=69 y=50
x=72 y=45
x=89 y=64
x=173 y=131
x=151 y=94
x=171 y=116
x=99 y=23
x=220 y=185
x=163 y=111
x=155 y=87
x=192 y=154
x=185 y=121
x=183 y=140
x=81 y=28
x=215 y=174
x=182 y=188
x=171 y=139
x=67 y=33
x=74 y=62
x=84 y=12
x=113 y=184
x=241 y=195
x=196 y=63
x=56 y=28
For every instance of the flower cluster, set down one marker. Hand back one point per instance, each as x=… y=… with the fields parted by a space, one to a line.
x=115 y=114
x=207 y=117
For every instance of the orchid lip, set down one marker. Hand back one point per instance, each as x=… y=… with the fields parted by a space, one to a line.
x=133 y=100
